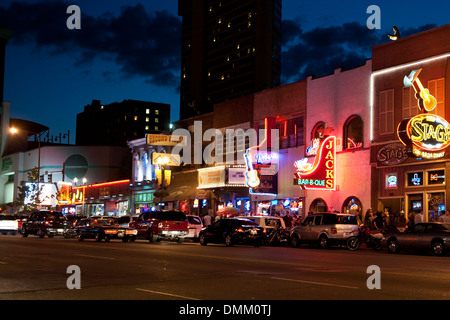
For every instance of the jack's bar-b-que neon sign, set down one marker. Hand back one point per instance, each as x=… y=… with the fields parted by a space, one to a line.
x=322 y=174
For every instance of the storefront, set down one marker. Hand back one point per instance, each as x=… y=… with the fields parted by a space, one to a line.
x=103 y=199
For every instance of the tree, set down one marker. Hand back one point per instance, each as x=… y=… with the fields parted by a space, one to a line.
x=29 y=195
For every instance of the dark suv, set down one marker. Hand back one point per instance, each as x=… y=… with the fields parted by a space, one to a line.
x=157 y=225
x=44 y=223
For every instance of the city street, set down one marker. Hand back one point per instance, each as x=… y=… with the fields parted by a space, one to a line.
x=32 y=268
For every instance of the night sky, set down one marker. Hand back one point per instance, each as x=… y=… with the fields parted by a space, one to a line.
x=131 y=49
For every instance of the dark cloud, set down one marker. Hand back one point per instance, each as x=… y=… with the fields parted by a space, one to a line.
x=141 y=43
x=319 y=51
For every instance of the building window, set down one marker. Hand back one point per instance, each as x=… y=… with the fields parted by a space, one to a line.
x=318 y=131
x=437 y=90
x=409 y=103
x=147 y=111
x=156 y=120
x=156 y=112
x=386 y=112
x=353 y=133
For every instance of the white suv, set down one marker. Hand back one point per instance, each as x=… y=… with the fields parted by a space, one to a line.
x=325 y=229
x=8 y=224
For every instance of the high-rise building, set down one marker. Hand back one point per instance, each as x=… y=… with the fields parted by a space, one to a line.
x=4 y=37
x=117 y=123
x=229 y=49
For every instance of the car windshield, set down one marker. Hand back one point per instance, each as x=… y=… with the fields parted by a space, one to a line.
x=7 y=217
x=55 y=215
x=194 y=220
x=169 y=215
x=346 y=219
x=246 y=223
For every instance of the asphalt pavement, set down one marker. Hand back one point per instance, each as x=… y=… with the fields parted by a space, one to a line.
x=43 y=269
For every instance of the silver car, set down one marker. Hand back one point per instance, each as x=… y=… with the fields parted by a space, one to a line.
x=325 y=229
x=434 y=236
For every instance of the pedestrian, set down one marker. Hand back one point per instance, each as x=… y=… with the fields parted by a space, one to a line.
x=378 y=222
x=207 y=220
x=445 y=218
x=418 y=218
x=368 y=219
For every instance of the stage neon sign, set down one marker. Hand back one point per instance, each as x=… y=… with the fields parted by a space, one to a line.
x=321 y=175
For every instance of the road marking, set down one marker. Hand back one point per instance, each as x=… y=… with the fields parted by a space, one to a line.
x=95 y=257
x=318 y=283
x=167 y=294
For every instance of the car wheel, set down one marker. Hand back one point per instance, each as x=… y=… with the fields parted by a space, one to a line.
x=352 y=243
x=98 y=238
x=125 y=240
x=393 y=246
x=40 y=233
x=229 y=240
x=295 y=241
x=80 y=237
x=323 y=242
x=438 y=247
x=152 y=237
x=24 y=233
x=202 y=240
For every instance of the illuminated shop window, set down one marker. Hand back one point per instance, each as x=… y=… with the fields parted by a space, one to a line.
x=436 y=177
x=354 y=133
x=415 y=179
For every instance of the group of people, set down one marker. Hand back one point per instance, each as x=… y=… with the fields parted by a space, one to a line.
x=382 y=220
x=386 y=221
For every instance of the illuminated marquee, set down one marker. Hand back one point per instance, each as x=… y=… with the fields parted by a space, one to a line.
x=321 y=175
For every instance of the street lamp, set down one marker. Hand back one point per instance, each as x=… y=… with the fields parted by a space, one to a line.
x=15 y=130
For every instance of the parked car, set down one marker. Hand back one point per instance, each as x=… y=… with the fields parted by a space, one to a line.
x=124 y=221
x=101 y=229
x=70 y=223
x=233 y=231
x=195 y=225
x=157 y=225
x=9 y=224
x=325 y=229
x=44 y=223
x=268 y=222
x=434 y=236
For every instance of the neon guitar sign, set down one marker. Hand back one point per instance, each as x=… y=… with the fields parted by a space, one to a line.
x=427 y=135
x=262 y=162
x=426 y=101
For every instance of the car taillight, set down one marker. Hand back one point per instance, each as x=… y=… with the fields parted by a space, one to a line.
x=333 y=231
x=240 y=230
x=110 y=231
x=47 y=223
x=131 y=232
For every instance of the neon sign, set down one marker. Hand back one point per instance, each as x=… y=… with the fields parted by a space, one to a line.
x=426 y=101
x=426 y=135
x=321 y=175
x=262 y=162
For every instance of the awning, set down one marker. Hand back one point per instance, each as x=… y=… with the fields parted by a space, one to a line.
x=183 y=186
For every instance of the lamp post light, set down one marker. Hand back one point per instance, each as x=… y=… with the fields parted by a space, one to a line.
x=14 y=131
